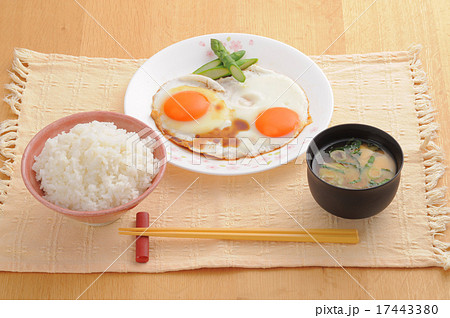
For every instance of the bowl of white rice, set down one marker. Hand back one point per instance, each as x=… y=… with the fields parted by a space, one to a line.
x=94 y=166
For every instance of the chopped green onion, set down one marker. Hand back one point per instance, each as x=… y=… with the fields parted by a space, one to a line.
x=332 y=168
x=384 y=181
x=370 y=162
x=374 y=183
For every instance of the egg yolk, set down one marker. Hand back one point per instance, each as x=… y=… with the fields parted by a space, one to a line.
x=186 y=106
x=277 y=122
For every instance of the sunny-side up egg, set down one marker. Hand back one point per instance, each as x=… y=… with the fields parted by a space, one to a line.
x=275 y=107
x=189 y=107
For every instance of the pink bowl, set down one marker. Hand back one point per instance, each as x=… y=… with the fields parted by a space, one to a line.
x=36 y=145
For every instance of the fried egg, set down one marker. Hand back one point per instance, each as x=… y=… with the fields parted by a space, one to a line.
x=227 y=119
x=190 y=105
x=275 y=107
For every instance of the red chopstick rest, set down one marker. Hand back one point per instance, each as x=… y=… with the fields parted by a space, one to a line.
x=142 y=247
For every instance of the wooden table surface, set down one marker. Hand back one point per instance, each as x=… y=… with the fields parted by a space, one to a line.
x=145 y=27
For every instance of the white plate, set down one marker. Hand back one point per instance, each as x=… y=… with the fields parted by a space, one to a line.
x=184 y=57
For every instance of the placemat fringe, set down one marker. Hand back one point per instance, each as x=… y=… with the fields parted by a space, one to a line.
x=438 y=212
x=9 y=127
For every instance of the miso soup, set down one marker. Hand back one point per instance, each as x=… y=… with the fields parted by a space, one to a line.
x=354 y=164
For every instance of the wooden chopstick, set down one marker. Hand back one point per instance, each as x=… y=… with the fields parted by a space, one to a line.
x=238 y=230
x=349 y=236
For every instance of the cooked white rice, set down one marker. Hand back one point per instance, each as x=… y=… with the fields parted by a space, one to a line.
x=95 y=166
